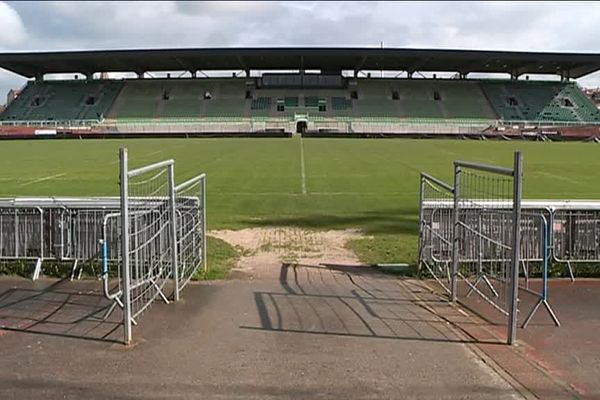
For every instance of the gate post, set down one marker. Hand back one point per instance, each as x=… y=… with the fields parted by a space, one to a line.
x=125 y=272
x=455 y=248
x=516 y=249
x=420 y=243
x=173 y=218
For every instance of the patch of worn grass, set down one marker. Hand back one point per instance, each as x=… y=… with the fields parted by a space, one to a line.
x=221 y=257
x=385 y=249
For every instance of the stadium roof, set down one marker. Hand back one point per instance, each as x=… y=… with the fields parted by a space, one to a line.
x=334 y=59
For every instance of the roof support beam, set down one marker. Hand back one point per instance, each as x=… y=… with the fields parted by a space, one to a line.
x=359 y=66
x=242 y=63
x=185 y=65
x=472 y=66
x=414 y=67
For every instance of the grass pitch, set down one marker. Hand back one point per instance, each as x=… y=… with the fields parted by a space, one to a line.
x=371 y=184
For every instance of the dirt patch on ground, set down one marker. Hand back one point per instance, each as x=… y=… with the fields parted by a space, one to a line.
x=265 y=249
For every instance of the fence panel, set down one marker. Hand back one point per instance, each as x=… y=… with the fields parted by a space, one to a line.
x=478 y=227
x=486 y=245
x=576 y=236
x=190 y=204
x=21 y=233
x=436 y=230
x=148 y=240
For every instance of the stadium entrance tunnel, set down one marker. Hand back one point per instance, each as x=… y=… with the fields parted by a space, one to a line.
x=301 y=127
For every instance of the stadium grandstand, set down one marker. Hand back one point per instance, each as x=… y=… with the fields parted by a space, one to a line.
x=313 y=91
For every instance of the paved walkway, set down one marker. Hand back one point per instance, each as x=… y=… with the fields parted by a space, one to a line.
x=306 y=332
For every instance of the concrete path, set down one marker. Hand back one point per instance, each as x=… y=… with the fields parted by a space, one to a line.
x=306 y=332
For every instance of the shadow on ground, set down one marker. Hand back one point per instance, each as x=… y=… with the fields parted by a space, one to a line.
x=351 y=301
x=63 y=308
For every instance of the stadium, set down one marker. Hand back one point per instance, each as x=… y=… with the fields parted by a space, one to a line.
x=299 y=222
x=312 y=91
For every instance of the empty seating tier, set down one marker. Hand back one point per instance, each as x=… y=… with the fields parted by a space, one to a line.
x=63 y=100
x=445 y=100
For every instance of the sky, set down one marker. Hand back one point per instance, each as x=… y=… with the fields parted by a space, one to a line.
x=525 y=26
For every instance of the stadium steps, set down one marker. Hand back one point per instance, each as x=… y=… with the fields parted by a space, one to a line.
x=202 y=109
x=442 y=108
x=105 y=95
x=329 y=112
x=184 y=99
x=247 y=112
x=489 y=106
x=117 y=106
x=160 y=108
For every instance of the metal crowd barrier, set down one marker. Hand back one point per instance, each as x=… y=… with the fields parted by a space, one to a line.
x=57 y=229
x=64 y=229
x=574 y=230
x=469 y=243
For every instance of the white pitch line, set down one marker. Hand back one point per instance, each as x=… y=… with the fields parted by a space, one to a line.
x=561 y=178
x=302 y=171
x=45 y=178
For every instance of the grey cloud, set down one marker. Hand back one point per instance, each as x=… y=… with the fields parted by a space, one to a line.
x=477 y=25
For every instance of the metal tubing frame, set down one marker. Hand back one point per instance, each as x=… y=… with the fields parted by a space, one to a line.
x=455 y=235
x=147 y=168
x=543 y=299
x=204 y=259
x=189 y=182
x=516 y=250
x=485 y=167
x=175 y=268
x=125 y=276
x=185 y=185
x=436 y=181
x=105 y=271
x=422 y=178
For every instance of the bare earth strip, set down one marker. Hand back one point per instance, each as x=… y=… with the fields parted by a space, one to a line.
x=265 y=249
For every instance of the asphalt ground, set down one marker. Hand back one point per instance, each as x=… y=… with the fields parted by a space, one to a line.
x=305 y=332
x=571 y=352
